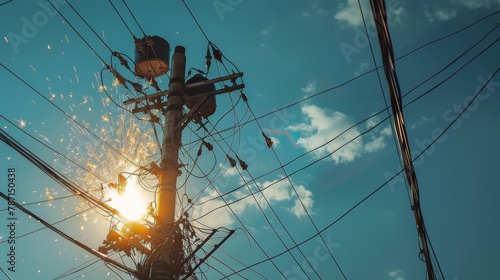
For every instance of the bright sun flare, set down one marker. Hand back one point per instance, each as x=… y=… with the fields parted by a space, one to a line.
x=131 y=204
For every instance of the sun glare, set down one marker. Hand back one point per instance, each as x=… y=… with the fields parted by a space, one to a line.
x=131 y=203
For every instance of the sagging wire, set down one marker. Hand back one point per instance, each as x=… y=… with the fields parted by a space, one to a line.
x=74 y=241
x=244 y=166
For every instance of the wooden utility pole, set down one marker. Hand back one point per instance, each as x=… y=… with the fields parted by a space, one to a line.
x=172 y=131
x=167 y=260
x=166 y=263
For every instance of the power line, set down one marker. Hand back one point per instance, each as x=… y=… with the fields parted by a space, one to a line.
x=55 y=175
x=380 y=16
x=382 y=110
x=382 y=91
x=6 y=2
x=349 y=128
x=360 y=76
x=67 y=115
x=123 y=21
x=195 y=20
x=77 y=33
x=388 y=180
x=74 y=241
x=449 y=35
x=273 y=211
x=299 y=199
x=132 y=14
x=54 y=150
x=54 y=223
x=455 y=72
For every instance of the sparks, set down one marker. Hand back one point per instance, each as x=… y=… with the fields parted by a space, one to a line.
x=22 y=123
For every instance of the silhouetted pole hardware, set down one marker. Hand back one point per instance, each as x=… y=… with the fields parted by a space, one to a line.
x=168 y=257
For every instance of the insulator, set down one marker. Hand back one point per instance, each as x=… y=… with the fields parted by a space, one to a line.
x=269 y=142
x=243 y=164
x=231 y=161
x=209 y=146
x=209 y=59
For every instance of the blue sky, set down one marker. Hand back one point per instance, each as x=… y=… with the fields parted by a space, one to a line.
x=293 y=58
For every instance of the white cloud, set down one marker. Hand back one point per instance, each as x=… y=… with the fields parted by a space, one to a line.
x=281 y=191
x=321 y=133
x=317 y=10
x=275 y=140
x=228 y=170
x=375 y=144
x=397 y=275
x=310 y=87
x=306 y=197
x=266 y=31
x=475 y=4
x=349 y=13
x=435 y=13
x=277 y=193
x=423 y=120
x=322 y=12
x=220 y=217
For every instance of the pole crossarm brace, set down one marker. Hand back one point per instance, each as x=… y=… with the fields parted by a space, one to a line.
x=196 y=108
x=191 y=271
x=199 y=246
x=162 y=264
x=159 y=94
x=159 y=105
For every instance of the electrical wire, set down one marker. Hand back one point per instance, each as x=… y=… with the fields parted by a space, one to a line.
x=54 y=150
x=132 y=14
x=383 y=93
x=302 y=100
x=66 y=114
x=56 y=176
x=88 y=25
x=43 y=201
x=449 y=35
x=53 y=224
x=78 y=268
x=123 y=21
x=271 y=208
x=432 y=89
x=6 y=2
x=200 y=26
x=275 y=214
x=77 y=33
x=246 y=228
x=437 y=138
x=72 y=240
x=195 y=20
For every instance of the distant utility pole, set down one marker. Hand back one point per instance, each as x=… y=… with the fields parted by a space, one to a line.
x=167 y=260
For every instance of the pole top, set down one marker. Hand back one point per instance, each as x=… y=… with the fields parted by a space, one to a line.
x=180 y=49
